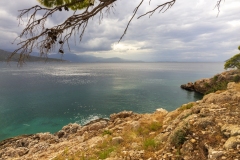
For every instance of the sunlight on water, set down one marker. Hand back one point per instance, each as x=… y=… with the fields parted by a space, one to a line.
x=45 y=97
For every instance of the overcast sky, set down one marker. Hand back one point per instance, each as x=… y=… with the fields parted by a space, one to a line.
x=189 y=31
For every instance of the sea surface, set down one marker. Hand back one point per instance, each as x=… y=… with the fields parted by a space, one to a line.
x=43 y=97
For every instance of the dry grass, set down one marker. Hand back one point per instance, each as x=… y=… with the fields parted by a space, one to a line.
x=142 y=138
x=237 y=86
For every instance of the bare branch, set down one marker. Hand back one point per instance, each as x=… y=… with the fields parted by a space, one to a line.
x=36 y=35
x=134 y=13
x=218 y=6
x=49 y=38
x=161 y=7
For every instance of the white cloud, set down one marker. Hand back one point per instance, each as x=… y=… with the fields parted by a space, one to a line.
x=189 y=30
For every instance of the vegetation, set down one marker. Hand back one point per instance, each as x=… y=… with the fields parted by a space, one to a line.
x=217 y=86
x=106 y=132
x=179 y=138
x=68 y=4
x=186 y=106
x=233 y=62
x=150 y=144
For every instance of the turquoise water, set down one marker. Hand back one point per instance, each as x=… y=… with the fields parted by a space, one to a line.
x=45 y=97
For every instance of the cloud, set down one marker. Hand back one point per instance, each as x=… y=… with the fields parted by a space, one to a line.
x=189 y=31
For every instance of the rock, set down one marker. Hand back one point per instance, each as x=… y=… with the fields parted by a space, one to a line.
x=98 y=125
x=117 y=140
x=71 y=128
x=189 y=86
x=215 y=154
x=204 y=122
x=22 y=151
x=22 y=142
x=60 y=134
x=161 y=110
x=193 y=140
x=232 y=142
x=230 y=130
x=123 y=114
x=135 y=125
x=202 y=85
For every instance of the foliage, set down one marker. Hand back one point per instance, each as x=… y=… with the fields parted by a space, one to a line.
x=70 y=4
x=217 y=86
x=146 y=129
x=178 y=138
x=186 y=106
x=233 y=62
x=236 y=78
x=154 y=126
x=105 y=153
x=215 y=78
x=106 y=132
x=150 y=144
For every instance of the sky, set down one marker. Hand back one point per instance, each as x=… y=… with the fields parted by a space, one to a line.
x=190 y=31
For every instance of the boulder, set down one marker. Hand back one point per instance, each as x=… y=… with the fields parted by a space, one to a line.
x=189 y=86
x=123 y=114
x=117 y=140
x=230 y=130
x=97 y=125
x=202 y=85
x=232 y=142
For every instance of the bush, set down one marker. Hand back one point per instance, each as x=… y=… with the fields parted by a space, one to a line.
x=218 y=86
x=106 y=132
x=186 y=106
x=215 y=78
x=105 y=153
x=233 y=62
x=150 y=144
x=178 y=138
x=236 y=78
x=154 y=126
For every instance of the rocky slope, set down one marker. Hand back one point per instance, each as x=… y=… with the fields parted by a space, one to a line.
x=218 y=82
x=206 y=129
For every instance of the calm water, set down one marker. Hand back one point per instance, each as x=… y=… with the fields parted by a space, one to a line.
x=45 y=97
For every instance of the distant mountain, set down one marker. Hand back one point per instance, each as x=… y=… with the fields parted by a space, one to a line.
x=4 y=57
x=90 y=59
x=66 y=57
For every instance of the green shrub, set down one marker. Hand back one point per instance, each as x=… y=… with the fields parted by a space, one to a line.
x=150 y=144
x=236 y=78
x=215 y=78
x=106 y=132
x=178 y=138
x=105 y=153
x=217 y=86
x=186 y=106
x=154 y=126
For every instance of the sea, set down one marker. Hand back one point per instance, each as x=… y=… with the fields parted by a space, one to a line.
x=43 y=97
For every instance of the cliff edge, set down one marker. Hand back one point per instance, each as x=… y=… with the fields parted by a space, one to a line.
x=206 y=129
x=218 y=82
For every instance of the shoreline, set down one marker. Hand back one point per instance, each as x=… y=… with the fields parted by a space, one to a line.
x=205 y=129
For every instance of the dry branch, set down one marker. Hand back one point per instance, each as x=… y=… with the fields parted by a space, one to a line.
x=46 y=39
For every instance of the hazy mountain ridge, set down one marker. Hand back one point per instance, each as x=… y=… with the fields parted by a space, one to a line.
x=91 y=59
x=4 y=57
x=34 y=57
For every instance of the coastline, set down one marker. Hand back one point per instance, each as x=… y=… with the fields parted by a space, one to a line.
x=206 y=129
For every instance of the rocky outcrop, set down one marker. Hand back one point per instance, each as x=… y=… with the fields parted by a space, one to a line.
x=209 y=85
x=206 y=129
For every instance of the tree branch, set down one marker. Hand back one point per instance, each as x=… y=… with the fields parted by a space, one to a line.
x=49 y=38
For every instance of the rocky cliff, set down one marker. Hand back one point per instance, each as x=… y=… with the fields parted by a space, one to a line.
x=206 y=129
x=218 y=82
